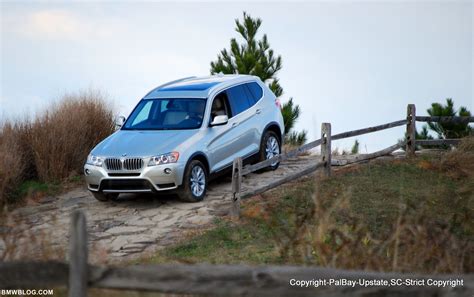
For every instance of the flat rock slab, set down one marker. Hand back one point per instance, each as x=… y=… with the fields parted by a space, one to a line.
x=135 y=223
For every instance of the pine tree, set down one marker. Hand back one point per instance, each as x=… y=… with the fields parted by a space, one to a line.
x=255 y=57
x=445 y=130
x=355 y=147
x=449 y=130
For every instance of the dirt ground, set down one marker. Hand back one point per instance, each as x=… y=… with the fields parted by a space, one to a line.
x=129 y=227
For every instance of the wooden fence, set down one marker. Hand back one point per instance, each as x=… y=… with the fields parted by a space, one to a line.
x=217 y=280
x=241 y=280
x=325 y=160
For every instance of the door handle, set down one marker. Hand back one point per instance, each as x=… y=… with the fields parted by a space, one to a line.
x=234 y=124
x=258 y=111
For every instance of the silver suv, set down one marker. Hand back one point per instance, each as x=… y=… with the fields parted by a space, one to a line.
x=185 y=132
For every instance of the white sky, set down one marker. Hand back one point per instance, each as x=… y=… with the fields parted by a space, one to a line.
x=354 y=64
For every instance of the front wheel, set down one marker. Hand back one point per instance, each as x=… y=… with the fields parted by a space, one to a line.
x=105 y=196
x=269 y=148
x=194 y=184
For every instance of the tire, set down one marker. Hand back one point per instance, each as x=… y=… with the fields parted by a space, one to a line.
x=270 y=145
x=194 y=185
x=105 y=196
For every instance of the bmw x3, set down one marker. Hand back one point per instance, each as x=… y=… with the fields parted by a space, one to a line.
x=185 y=132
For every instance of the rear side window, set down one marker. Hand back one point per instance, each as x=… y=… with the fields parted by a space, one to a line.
x=239 y=98
x=255 y=90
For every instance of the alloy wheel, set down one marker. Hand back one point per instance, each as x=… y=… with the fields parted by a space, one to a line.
x=272 y=148
x=197 y=181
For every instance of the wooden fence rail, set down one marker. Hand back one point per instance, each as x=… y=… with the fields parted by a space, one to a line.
x=445 y=119
x=215 y=280
x=225 y=280
x=369 y=130
x=286 y=179
x=437 y=142
x=363 y=157
x=282 y=157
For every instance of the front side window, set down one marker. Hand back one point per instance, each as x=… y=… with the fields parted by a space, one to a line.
x=220 y=106
x=167 y=114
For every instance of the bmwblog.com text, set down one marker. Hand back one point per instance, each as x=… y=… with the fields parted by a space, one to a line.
x=26 y=292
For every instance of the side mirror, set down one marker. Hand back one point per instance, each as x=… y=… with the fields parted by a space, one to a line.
x=119 y=122
x=220 y=120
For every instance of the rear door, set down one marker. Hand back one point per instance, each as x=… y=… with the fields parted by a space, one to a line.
x=244 y=120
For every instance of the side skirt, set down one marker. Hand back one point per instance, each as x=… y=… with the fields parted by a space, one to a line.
x=228 y=168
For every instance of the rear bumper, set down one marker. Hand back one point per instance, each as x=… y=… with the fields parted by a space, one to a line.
x=149 y=179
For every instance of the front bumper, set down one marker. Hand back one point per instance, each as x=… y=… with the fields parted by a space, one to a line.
x=148 y=179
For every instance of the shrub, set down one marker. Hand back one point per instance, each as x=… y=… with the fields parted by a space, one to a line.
x=63 y=136
x=55 y=144
x=12 y=160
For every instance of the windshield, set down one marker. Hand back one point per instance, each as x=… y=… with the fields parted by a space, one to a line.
x=167 y=114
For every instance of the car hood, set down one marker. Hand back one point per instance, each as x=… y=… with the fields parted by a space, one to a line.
x=139 y=143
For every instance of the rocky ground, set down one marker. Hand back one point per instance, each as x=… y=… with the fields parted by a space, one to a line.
x=132 y=226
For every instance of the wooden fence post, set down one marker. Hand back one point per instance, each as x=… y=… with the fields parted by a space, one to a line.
x=326 y=147
x=236 y=187
x=78 y=256
x=411 y=130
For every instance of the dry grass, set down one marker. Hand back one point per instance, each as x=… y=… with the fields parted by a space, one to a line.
x=63 y=136
x=14 y=154
x=333 y=236
x=401 y=215
x=459 y=163
x=423 y=224
x=55 y=144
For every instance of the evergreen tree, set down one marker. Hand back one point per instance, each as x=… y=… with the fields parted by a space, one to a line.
x=355 y=147
x=295 y=138
x=290 y=113
x=423 y=135
x=449 y=130
x=255 y=57
x=445 y=130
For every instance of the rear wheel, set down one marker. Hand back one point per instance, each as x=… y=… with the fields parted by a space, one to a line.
x=194 y=184
x=269 y=148
x=105 y=196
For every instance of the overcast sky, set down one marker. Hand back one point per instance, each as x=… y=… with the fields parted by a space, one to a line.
x=353 y=64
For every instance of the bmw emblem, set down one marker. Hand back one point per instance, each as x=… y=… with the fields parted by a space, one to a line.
x=124 y=154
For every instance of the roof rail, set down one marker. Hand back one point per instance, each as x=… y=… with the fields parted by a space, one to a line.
x=169 y=83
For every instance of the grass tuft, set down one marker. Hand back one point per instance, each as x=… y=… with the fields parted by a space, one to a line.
x=53 y=146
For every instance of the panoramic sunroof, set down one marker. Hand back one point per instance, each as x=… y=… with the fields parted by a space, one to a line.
x=189 y=87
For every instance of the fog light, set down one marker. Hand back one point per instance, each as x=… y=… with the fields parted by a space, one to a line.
x=167 y=170
x=87 y=172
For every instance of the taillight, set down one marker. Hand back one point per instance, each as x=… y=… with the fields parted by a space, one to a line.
x=278 y=103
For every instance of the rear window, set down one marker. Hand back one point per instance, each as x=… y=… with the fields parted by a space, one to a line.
x=255 y=90
x=239 y=98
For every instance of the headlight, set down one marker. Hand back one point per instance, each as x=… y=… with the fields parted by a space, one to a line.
x=94 y=160
x=164 y=159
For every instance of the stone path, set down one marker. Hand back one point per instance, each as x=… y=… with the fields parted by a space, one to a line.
x=136 y=223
